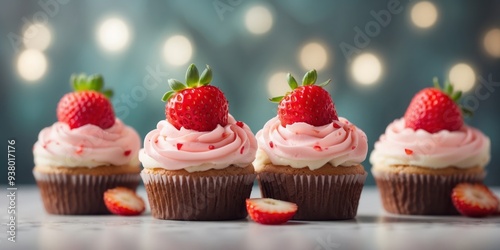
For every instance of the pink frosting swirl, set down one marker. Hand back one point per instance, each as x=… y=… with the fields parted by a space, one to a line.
x=86 y=146
x=173 y=149
x=300 y=145
x=465 y=148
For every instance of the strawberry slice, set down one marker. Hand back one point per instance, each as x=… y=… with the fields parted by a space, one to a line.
x=497 y=213
x=474 y=200
x=270 y=211
x=123 y=201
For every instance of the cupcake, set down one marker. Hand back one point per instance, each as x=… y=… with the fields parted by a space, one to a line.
x=85 y=153
x=198 y=162
x=424 y=155
x=309 y=156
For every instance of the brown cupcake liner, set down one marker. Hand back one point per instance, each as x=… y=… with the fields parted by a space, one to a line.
x=420 y=194
x=318 y=197
x=181 y=197
x=67 y=194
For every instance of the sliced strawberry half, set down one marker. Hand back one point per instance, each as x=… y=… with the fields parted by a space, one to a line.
x=123 y=201
x=474 y=200
x=270 y=211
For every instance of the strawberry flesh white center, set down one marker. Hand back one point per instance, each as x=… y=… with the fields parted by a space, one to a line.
x=479 y=198
x=128 y=200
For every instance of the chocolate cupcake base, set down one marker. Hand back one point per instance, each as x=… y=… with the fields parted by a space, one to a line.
x=319 y=197
x=198 y=198
x=420 y=194
x=69 y=194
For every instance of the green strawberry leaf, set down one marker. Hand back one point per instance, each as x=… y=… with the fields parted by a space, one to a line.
x=192 y=76
x=456 y=96
x=176 y=85
x=467 y=112
x=324 y=83
x=96 y=82
x=310 y=78
x=206 y=76
x=276 y=99
x=448 y=88
x=436 y=83
x=291 y=81
x=167 y=95
x=108 y=93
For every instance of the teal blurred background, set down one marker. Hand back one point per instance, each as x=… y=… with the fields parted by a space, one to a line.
x=378 y=54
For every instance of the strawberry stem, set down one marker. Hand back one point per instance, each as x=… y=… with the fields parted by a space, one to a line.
x=82 y=82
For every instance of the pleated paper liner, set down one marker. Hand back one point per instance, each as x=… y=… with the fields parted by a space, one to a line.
x=420 y=194
x=184 y=197
x=67 y=194
x=319 y=197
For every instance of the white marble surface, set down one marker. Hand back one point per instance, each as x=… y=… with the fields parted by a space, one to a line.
x=372 y=229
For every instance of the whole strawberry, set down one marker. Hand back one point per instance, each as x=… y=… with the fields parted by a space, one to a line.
x=197 y=106
x=435 y=109
x=88 y=104
x=308 y=103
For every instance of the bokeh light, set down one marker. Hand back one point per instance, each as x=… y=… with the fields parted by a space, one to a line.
x=424 y=14
x=259 y=20
x=277 y=84
x=313 y=56
x=37 y=36
x=31 y=64
x=366 y=69
x=113 y=34
x=492 y=42
x=462 y=77
x=177 y=50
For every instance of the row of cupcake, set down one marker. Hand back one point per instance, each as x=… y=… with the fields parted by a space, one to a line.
x=200 y=162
